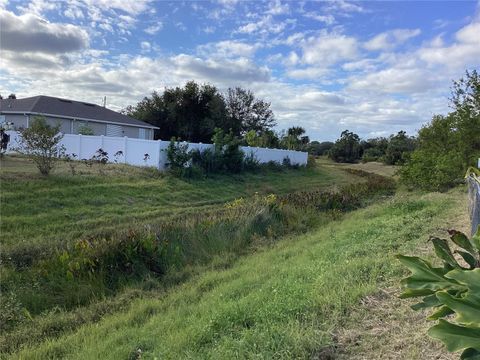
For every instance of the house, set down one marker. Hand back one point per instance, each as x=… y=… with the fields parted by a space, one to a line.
x=74 y=117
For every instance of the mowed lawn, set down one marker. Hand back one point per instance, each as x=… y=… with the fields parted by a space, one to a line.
x=38 y=211
x=286 y=301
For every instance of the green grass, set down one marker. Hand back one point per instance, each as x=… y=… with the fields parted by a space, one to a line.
x=284 y=301
x=42 y=213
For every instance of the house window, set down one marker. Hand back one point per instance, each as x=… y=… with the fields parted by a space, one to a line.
x=142 y=133
x=114 y=130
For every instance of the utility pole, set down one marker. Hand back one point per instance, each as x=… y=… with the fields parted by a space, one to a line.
x=104 y=101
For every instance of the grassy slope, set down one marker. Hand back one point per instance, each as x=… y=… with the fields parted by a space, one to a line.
x=282 y=302
x=39 y=212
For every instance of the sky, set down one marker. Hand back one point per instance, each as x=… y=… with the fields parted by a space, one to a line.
x=372 y=67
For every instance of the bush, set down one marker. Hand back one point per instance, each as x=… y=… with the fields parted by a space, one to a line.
x=346 y=149
x=450 y=290
x=178 y=156
x=40 y=142
x=449 y=144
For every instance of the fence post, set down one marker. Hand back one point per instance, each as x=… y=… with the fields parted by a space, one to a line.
x=158 y=154
x=80 y=147
x=125 y=143
x=101 y=142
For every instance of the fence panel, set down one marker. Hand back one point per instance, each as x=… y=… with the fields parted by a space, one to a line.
x=134 y=151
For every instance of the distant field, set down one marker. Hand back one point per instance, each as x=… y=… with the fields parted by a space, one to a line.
x=62 y=207
x=374 y=167
x=296 y=299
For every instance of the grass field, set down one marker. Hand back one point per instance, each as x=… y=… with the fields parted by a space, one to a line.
x=43 y=212
x=287 y=301
x=298 y=289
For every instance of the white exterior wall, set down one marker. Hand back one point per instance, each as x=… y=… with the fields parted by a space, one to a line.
x=134 y=150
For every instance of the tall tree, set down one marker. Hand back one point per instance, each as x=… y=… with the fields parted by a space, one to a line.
x=190 y=113
x=12 y=96
x=249 y=112
x=347 y=148
x=449 y=144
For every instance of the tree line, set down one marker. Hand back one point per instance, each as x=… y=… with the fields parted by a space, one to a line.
x=438 y=157
x=196 y=111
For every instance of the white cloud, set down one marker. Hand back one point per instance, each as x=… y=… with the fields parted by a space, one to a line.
x=227 y=49
x=462 y=53
x=264 y=26
x=390 y=39
x=328 y=48
x=30 y=33
x=395 y=80
x=310 y=73
x=145 y=45
x=328 y=19
x=277 y=8
x=153 y=29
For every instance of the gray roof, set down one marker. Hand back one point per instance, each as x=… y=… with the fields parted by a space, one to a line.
x=47 y=105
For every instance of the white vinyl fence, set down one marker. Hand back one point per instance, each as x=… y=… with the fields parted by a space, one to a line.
x=135 y=151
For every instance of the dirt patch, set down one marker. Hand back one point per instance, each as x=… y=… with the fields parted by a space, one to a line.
x=386 y=328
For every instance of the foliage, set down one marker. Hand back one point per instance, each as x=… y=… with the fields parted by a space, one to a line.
x=399 y=148
x=294 y=139
x=372 y=154
x=347 y=148
x=250 y=307
x=70 y=159
x=449 y=144
x=265 y=139
x=84 y=129
x=450 y=290
x=248 y=113
x=193 y=112
x=40 y=142
x=178 y=157
x=319 y=148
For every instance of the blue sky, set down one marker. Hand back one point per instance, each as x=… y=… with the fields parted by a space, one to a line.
x=373 y=67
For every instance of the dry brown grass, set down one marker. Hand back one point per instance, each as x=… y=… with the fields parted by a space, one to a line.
x=385 y=327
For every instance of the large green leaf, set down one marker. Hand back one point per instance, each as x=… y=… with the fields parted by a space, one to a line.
x=467 y=308
x=427 y=302
x=470 y=354
x=476 y=238
x=461 y=240
x=468 y=278
x=456 y=337
x=469 y=259
x=443 y=251
x=440 y=313
x=424 y=276
x=409 y=293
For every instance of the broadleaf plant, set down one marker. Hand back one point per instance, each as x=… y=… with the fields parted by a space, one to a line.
x=451 y=291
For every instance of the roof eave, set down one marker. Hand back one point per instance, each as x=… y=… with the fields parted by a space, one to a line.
x=78 y=118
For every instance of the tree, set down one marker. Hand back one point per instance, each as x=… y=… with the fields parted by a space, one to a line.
x=398 y=149
x=347 y=148
x=319 y=148
x=248 y=113
x=449 y=144
x=190 y=113
x=40 y=142
x=12 y=96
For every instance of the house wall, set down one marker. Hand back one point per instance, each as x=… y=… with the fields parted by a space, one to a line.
x=19 y=121
x=67 y=125
x=98 y=128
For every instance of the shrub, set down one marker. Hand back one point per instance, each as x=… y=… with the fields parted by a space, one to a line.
x=40 y=142
x=178 y=156
x=449 y=144
x=85 y=130
x=452 y=291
